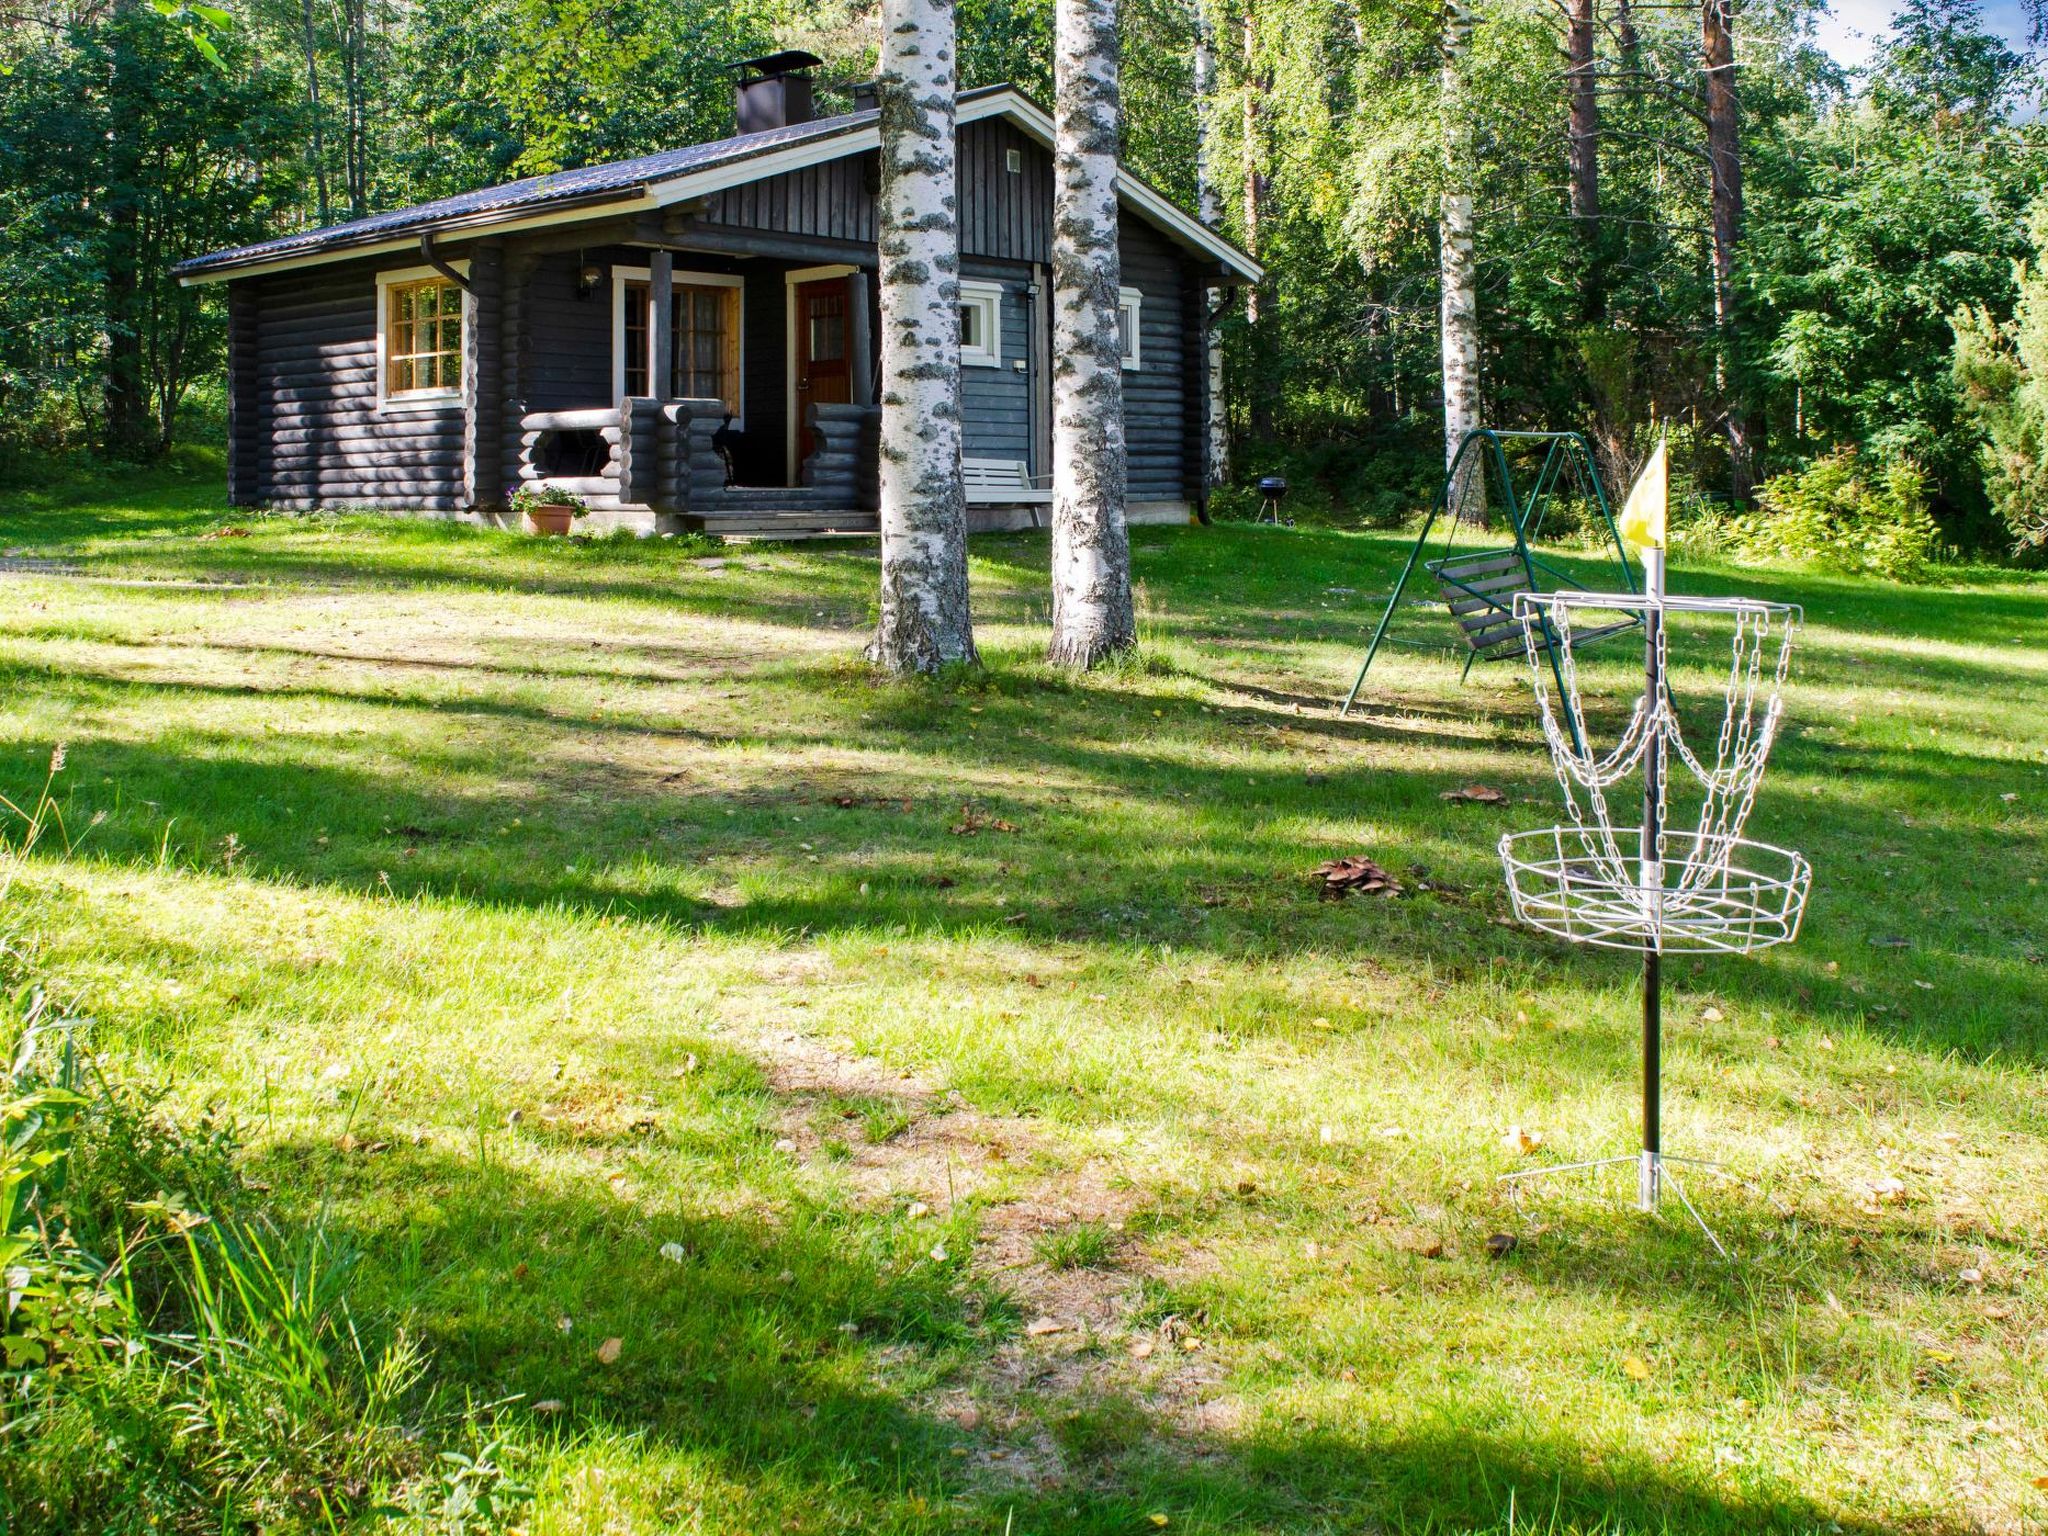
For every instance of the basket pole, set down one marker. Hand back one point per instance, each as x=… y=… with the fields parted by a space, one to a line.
x=1651 y=854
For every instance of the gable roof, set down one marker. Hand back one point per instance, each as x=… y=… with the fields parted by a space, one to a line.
x=673 y=176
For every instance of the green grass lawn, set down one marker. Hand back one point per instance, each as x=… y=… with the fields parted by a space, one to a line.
x=1032 y=1149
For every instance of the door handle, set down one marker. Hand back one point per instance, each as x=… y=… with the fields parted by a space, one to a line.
x=803 y=383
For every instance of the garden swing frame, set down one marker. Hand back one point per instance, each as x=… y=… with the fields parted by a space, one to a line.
x=1479 y=587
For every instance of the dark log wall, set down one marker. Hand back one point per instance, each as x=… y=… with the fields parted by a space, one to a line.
x=995 y=403
x=306 y=431
x=1155 y=392
x=321 y=438
x=568 y=360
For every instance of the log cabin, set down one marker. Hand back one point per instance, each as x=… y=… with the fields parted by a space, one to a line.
x=687 y=339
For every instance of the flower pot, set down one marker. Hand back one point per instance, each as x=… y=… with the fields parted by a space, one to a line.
x=550 y=520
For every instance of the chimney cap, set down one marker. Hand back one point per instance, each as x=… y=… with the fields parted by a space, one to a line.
x=786 y=62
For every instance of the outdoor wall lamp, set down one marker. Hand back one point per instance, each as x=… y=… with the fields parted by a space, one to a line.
x=588 y=276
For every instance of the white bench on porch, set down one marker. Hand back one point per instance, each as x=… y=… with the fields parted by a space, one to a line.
x=1001 y=481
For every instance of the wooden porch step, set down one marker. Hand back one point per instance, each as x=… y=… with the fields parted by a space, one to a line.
x=782 y=522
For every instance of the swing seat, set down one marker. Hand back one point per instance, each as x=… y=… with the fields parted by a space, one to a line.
x=1479 y=587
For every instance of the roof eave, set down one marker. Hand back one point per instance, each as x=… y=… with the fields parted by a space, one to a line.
x=1235 y=267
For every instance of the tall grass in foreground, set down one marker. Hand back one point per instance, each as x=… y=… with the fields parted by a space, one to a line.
x=173 y=1357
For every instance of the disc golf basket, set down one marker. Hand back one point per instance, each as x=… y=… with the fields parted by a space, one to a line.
x=1479 y=585
x=1630 y=874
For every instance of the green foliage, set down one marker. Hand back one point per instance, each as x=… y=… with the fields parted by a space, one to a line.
x=2002 y=372
x=530 y=498
x=1841 y=511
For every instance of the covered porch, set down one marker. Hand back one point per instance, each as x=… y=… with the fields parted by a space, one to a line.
x=727 y=384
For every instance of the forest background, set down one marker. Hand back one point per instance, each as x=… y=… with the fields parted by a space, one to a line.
x=1880 y=342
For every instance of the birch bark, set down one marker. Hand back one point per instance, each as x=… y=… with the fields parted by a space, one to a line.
x=925 y=618
x=1458 y=268
x=1092 y=614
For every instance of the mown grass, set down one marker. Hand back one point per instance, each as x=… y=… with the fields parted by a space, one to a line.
x=540 y=907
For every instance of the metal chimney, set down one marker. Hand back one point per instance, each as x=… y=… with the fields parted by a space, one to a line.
x=774 y=92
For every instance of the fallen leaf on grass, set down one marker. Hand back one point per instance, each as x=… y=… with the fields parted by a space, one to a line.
x=225 y=533
x=1474 y=794
x=1712 y=1015
x=1522 y=1142
x=1141 y=1349
x=1159 y=1522
x=1635 y=1368
x=549 y=1405
x=1039 y=1327
x=608 y=1352
x=1341 y=877
x=973 y=822
x=1501 y=1244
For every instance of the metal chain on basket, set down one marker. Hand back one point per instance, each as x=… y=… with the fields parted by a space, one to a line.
x=1740 y=750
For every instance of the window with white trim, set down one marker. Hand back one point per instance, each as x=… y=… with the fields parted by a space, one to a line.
x=981 y=325
x=1129 y=302
x=420 y=316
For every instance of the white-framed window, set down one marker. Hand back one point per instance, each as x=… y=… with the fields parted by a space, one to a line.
x=981 y=325
x=1129 y=304
x=704 y=335
x=421 y=317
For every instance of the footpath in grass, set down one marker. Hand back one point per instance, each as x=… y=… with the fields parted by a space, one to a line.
x=809 y=1105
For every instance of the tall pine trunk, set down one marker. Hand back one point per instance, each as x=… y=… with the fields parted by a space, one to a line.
x=322 y=207
x=1583 y=153
x=1092 y=614
x=925 y=622
x=1724 y=160
x=1209 y=204
x=126 y=398
x=1458 y=264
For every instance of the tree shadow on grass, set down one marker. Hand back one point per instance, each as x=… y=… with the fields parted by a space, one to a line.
x=737 y=1356
x=1163 y=848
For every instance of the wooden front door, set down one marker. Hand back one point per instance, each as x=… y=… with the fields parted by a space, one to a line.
x=823 y=374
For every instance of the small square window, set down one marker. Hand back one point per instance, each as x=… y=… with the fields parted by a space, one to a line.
x=1013 y=161
x=981 y=325
x=1129 y=304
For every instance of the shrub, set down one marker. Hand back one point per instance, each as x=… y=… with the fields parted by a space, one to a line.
x=1841 y=512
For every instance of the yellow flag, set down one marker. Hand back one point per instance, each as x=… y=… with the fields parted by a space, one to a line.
x=1643 y=519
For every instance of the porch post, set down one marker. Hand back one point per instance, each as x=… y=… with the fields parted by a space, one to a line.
x=860 y=347
x=483 y=389
x=661 y=341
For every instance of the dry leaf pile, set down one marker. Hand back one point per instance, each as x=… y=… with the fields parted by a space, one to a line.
x=1341 y=877
x=1474 y=794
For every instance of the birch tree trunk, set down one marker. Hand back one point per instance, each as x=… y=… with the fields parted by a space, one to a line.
x=1092 y=615
x=1724 y=161
x=925 y=620
x=1209 y=205
x=1458 y=266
